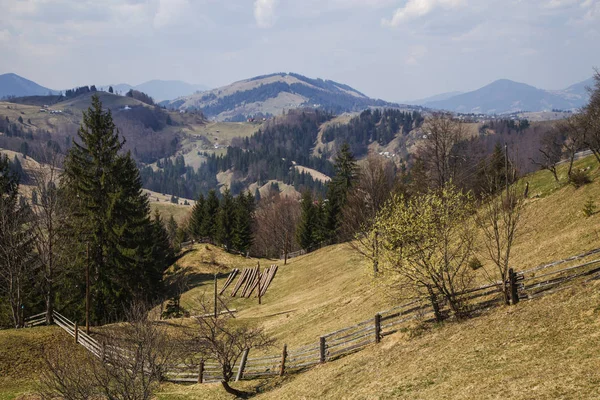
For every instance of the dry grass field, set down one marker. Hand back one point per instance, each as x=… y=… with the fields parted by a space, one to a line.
x=544 y=349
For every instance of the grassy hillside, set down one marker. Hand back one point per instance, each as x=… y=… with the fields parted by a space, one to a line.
x=544 y=349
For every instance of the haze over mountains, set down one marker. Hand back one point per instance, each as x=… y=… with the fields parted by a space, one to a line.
x=272 y=94
x=506 y=96
x=161 y=90
x=15 y=85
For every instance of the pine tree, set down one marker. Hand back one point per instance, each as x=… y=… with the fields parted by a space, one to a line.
x=226 y=220
x=209 y=223
x=244 y=211
x=307 y=230
x=197 y=218
x=111 y=215
x=340 y=185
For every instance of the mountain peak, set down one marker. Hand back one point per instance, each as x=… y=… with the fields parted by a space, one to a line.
x=272 y=94
x=12 y=84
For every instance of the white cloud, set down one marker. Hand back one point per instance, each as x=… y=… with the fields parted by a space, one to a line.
x=264 y=12
x=418 y=8
x=169 y=12
x=416 y=54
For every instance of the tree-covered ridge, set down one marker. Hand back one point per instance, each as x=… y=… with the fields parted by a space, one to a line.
x=373 y=126
x=326 y=95
x=272 y=152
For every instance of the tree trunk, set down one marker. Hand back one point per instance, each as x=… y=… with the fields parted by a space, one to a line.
x=235 y=392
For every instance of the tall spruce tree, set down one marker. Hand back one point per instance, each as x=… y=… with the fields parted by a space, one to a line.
x=337 y=192
x=226 y=220
x=209 y=223
x=197 y=224
x=307 y=231
x=110 y=214
x=244 y=217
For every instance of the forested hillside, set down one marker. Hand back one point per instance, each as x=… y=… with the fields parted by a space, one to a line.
x=272 y=94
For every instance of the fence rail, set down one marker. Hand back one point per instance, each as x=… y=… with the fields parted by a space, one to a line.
x=528 y=284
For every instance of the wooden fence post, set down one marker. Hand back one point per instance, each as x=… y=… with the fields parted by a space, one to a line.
x=76 y=333
x=322 y=349
x=377 y=328
x=201 y=372
x=103 y=351
x=514 y=288
x=283 y=357
x=240 y=373
x=435 y=305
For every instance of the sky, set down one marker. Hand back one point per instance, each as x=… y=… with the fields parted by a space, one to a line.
x=390 y=49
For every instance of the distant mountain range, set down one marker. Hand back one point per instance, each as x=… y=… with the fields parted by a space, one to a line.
x=161 y=90
x=274 y=93
x=15 y=85
x=506 y=96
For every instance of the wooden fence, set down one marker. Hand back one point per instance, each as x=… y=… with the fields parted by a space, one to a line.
x=528 y=284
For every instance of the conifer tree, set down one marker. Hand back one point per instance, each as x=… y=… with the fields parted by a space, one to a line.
x=226 y=220
x=307 y=230
x=197 y=218
x=244 y=211
x=110 y=214
x=209 y=223
x=339 y=186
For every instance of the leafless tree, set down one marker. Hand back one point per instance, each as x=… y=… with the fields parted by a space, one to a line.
x=17 y=259
x=499 y=219
x=135 y=360
x=49 y=216
x=276 y=219
x=439 y=151
x=575 y=130
x=591 y=116
x=219 y=339
x=376 y=181
x=550 y=152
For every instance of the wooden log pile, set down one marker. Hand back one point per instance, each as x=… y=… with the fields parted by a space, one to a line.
x=251 y=280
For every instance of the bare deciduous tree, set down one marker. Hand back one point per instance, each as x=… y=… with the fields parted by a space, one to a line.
x=49 y=216
x=499 y=219
x=439 y=151
x=575 y=130
x=550 y=152
x=276 y=219
x=218 y=338
x=136 y=357
x=376 y=181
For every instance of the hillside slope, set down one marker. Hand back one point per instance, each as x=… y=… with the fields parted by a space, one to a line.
x=271 y=94
x=542 y=349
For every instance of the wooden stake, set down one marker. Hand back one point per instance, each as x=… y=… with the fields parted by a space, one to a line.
x=240 y=373
x=283 y=357
x=201 y=372
x=514 y=288
x=76 y=333
x=377 y=328
x=322 y=349
x=216 y=313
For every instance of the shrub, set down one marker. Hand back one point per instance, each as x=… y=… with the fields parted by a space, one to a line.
x=475 y=263
x=589 y=208
x=579 y=178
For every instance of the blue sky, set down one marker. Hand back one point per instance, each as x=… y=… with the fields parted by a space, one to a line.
x=391 y=49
